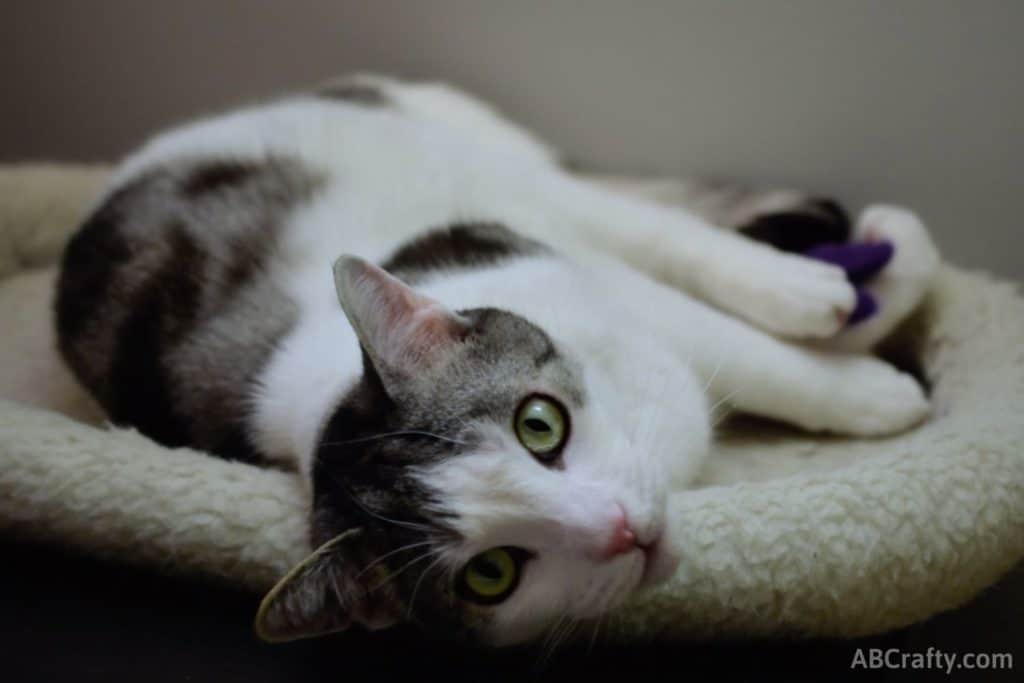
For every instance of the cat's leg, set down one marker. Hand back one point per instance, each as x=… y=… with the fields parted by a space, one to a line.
x=821 y=390
x=783 y=293
x=796 y=221
x=757 y=373
x=825 y=388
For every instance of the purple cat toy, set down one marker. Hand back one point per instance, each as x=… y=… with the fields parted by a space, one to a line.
x=861 y=262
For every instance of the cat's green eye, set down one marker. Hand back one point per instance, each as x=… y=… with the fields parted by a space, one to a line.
x=542 y=427
x=491 y=576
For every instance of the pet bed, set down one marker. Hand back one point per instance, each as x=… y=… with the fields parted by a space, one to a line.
x=787 y=534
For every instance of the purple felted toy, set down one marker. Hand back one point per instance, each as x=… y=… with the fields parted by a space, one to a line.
x=861 y=262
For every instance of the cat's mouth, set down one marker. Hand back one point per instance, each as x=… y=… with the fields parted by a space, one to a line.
x=659 y=562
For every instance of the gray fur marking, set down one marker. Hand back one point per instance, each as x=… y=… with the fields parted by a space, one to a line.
x=165 y=281
x=459 y=246
x=354 y=91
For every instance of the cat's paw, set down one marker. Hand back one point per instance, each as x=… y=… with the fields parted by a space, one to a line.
x=872 y=398
x=900 y=286
x=793 y=296
x=915 y=255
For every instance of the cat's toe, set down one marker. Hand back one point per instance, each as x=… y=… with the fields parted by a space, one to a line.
x=807 y=299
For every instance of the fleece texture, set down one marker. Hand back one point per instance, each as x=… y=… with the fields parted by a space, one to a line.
x=786 y=535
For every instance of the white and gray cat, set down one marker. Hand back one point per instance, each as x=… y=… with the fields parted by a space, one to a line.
x=489 y=372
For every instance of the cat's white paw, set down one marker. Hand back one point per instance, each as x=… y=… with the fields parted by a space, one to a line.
x=793 y=296
x=915 y=255
x=901 y=285
x=871 y=398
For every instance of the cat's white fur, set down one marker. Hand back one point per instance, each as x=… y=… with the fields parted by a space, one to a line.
x=654 y=358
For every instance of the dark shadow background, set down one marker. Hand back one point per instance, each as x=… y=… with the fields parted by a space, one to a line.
x=68 y=618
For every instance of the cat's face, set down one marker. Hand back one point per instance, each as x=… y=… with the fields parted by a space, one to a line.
x=501 y=484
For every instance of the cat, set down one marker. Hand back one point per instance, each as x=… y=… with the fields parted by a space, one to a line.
x=489 y=372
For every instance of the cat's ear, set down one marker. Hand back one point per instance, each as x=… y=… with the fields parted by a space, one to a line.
x=325 y=593
x=399 y=328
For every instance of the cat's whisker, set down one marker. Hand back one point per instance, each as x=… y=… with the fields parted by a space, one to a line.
x=390 y=435
x=397 y=522
x=720 y=402
x=416 y=588
x=718 y=366
x=387 y=555
x=725 y=413
x=336 y=589
x=561 y=629
x=391 y=577
x=545 y=652
x=400 y=523
x=549 y=632
x=568 y=634
x=558 y=636
x=594 y=634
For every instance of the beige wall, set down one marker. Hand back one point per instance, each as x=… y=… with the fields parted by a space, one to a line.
x=918 y=101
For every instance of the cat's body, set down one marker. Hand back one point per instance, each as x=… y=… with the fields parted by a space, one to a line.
x=197 y=304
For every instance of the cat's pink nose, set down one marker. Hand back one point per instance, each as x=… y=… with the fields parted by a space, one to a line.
x=621 y=540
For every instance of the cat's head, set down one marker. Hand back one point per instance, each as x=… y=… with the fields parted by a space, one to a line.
x=480 y=480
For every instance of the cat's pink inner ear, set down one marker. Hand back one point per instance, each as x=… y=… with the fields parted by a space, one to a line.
x=397 y=325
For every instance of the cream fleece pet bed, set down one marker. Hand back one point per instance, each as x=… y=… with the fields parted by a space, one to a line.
x=789 y=535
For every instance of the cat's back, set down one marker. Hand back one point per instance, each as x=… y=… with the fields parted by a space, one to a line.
x=172 y=296
x=381 y=161
x=361 y=128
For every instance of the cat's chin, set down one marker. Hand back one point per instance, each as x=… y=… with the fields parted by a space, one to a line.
x=660 y=563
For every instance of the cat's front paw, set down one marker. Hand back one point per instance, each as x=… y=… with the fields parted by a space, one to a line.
x=793 y=296
x=872 y=398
